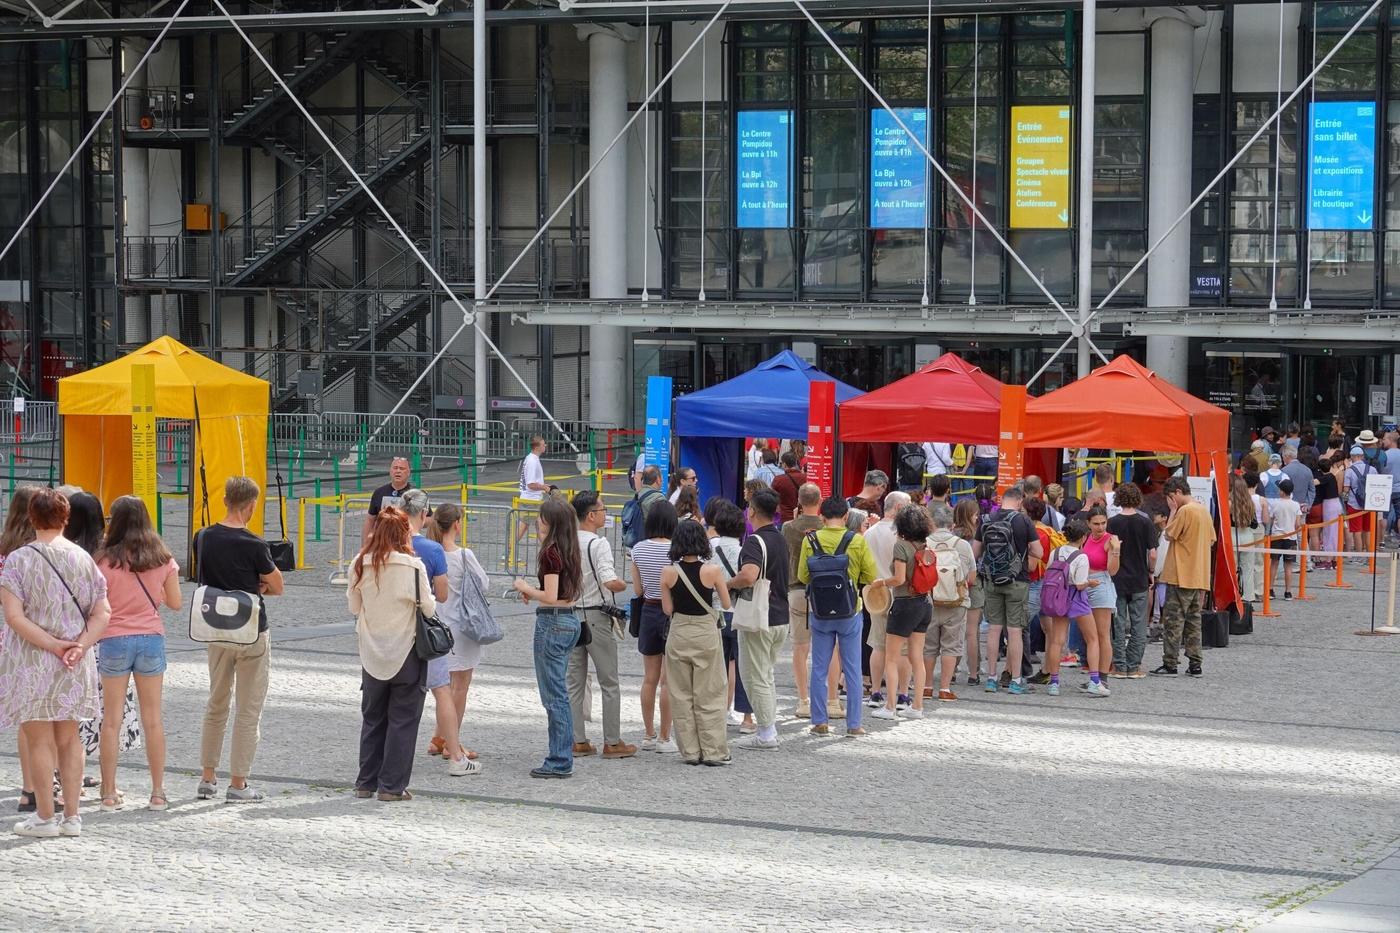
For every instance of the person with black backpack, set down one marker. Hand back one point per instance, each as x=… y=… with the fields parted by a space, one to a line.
x=1005 y=543
x=909 y=467
x=834 y=563
x=634 y=513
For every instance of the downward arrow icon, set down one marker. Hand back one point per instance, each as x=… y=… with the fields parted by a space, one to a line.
x=1063 y=216
x=1364 y=217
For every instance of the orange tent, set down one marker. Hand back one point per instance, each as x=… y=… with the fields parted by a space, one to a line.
x=1126 y=406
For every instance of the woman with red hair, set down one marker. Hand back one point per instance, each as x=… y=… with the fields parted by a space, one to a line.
x=388 y=586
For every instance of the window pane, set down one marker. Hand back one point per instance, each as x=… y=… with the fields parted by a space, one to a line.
x=1049 y=255
x=831 y=182
x=831 y=261
x=897 y=262
x=765 y=261
x=1342 y=265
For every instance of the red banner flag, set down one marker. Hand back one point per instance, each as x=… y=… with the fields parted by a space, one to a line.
x=821 y=435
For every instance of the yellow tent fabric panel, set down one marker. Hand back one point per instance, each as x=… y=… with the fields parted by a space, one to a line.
x=97 y=455
x=233 y=411
x=106 y=390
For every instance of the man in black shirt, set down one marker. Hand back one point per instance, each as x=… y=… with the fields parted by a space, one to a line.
x=391 y=493
x=1136 y=561
x=230 y=557
x=758 y=651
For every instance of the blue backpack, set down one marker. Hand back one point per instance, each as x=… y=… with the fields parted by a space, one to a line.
x=830 y=593
x=634 y=518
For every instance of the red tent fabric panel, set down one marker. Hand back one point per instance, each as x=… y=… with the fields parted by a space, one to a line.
x=946 y=400
x=1126 y=406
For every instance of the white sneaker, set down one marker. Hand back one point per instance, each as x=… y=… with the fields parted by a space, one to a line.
x=668 y=747
x=883 y=712
x=735 y=718
x=31 y=825
x=1097 y=689
x=649 y=743
x=71 y=826
x=754 y=743
x=463 y=766
x=912 y=713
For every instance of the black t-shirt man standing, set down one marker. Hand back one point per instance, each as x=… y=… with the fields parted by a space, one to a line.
x=390 y=495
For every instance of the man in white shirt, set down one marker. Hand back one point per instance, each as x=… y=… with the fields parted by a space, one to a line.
x=880 y=539
x=938 y=458
x=1285 y=514
x=532 y=484
x=599 y=588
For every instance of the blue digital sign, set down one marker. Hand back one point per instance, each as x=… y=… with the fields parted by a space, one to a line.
x=1342 y=165
x=764 y=170
x=898 y=170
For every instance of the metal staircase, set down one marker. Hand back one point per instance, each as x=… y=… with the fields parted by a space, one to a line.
x=304 y=69
x=386 y=147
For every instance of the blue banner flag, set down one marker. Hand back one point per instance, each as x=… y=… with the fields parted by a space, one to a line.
x=764 y=169
x=898 y=170
x=657 y=449
x=1342 y=165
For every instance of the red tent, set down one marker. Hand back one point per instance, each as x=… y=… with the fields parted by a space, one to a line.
x=1126 y=406
x=946 y=400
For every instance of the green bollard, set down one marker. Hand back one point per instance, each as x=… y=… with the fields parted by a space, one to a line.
x=301 y=453
x=360 y=459
x=160 y=514
x=472 y=467
x=462 y=450
x=318 y=510
x=416 y=460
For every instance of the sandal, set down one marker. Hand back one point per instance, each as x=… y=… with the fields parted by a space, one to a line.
x=435 y=747
x=111 y=803
x=26 y=801
x=158 y=801
x=90 y=782
x=471 y=755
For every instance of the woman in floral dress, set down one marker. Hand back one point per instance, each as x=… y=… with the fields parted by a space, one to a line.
x=55 y=604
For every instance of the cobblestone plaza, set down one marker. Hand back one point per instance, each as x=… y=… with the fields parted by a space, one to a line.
x=1218 y=803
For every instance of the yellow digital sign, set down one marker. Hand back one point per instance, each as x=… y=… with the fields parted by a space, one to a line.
x=143 y=434
x=1040 y=160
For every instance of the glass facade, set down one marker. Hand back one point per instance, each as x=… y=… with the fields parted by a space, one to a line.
x=51 y=325
x=1251 y=242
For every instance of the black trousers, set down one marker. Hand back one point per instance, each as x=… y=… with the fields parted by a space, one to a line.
x=391 y=710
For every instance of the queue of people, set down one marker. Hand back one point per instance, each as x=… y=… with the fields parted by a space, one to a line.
x=884 y=597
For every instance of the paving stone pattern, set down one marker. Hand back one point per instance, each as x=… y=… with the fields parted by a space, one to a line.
x=1183 y=804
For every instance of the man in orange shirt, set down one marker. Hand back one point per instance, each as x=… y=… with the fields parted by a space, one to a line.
x=1187 y=576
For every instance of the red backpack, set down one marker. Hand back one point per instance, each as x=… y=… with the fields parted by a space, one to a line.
x=925 y=576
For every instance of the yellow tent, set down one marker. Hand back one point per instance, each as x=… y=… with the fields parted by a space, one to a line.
x=230 y=438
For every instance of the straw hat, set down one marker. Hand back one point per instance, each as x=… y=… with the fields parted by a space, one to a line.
x=1168 y=459
x=1366 y=439
x=877 y=599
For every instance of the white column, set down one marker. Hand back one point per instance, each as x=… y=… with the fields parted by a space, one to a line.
x=480 y=381
x=1169 y=180
x=137 y=195
x=607 y=217
x=1088 y=67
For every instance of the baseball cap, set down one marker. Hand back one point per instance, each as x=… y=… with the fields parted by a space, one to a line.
x=1357 y=452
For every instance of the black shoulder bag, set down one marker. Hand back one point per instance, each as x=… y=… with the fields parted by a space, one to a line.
x=284 y=554
x=433 y=639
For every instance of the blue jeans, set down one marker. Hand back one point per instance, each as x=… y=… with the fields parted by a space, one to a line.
x=556 y=633
x=826 y=634
x=143 y=655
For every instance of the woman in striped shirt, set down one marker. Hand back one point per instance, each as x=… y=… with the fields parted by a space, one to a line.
x=650 y=558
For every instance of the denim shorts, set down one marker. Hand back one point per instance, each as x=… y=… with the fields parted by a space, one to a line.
x=131 y=654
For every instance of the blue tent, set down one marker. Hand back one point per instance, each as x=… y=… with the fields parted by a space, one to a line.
x=770 y=400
